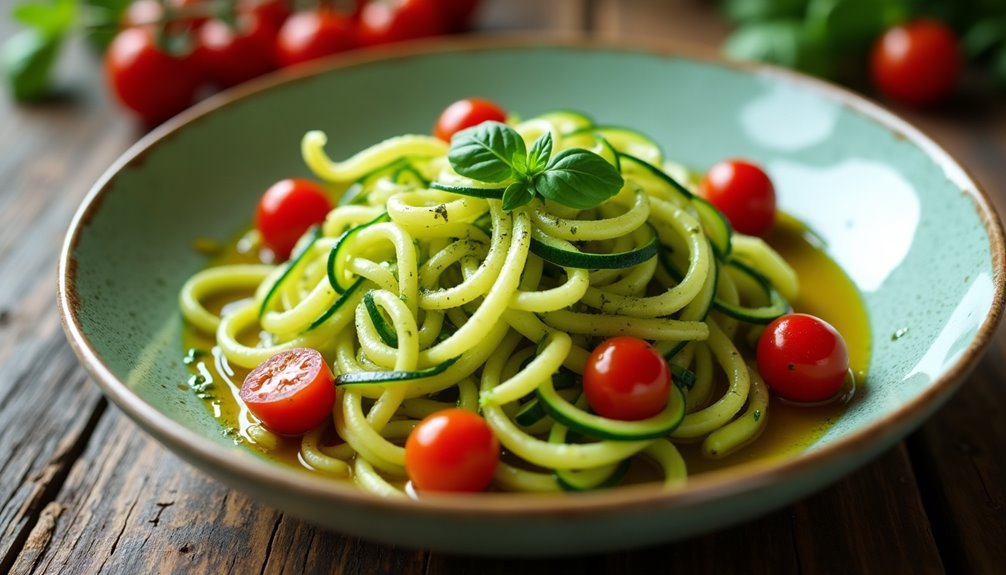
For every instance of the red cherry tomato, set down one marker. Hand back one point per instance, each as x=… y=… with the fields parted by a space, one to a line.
x=272 y=13
x=287 y=209
x=230 y=55
x=916 y=63
x=292 y=392
x=802 y=358
x=465 y=114
x=744 y=193
x=397 y=20
x=313 y=34
x=136 y=71
x=451 y=450
x=625 y=378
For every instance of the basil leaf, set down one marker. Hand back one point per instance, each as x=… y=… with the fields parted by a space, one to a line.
x=103 y=18
x=578 y=178
x=486 y=152
x=27 y=59
x=517 y=194
x=540 y=152
x=852 y=25
x=51 y=19
x=784 y=42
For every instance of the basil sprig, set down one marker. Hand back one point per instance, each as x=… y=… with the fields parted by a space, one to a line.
x=493 y=152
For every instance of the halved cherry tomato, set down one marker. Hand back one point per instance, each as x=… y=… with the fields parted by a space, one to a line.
x=626 y=378
x=451 y=450
x=313 y=34
x=382 y=22
x=231 y=54
x=916 y=63
x=465 y=114
x=744 y=193
x=136 y=70
x=292 y=392
x=286 y=210
x=802 y=358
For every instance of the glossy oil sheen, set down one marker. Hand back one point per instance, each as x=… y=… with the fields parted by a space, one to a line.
x=904 y=221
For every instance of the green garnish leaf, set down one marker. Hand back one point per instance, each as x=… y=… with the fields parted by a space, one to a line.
x=578 y=178
x=486 y=152
x=27 y=59
x=493 y=152
x=517 y=194
x=540 y=152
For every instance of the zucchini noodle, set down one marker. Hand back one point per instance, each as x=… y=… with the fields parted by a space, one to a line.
x=421 y=274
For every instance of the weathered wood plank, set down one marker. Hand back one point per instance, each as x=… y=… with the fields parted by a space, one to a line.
x=129 y=506
x=559 y=16
x=49 y=157
x=682 y=22
x=960 y=466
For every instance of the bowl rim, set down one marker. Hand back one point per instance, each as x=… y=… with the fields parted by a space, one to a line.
x=714 y=485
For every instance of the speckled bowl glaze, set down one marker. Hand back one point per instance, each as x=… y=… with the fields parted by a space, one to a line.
x=892 y=207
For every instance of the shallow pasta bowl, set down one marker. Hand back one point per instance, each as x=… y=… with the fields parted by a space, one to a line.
x=890 y=206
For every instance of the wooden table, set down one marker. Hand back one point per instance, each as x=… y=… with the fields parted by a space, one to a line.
x=83 y=490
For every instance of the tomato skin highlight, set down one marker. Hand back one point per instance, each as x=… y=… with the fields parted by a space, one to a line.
x=465 y=114
x=136 y=69
x=398 y=20
x=626 y=378
x=452 y=450
x=744 y=193
x=286 y=210
x=313 y=34
x=292 y=392
x=916 y=63
x=231 y=55
x=802 y=358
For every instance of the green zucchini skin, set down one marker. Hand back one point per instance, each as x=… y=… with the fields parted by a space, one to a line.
x=370 y=377
x=599 y=427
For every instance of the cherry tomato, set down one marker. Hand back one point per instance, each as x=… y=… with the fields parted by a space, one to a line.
x=744 y=193
x=802 y=358
x=137 y=71
x=625 y=378
x=313 y=34
x=451 y=450
x=230 y=55
x=287 y=209
x=917 y=63
x=465 y=114
x=151 y=12
x=272 y=13
x=292 y=392
x=393 y=21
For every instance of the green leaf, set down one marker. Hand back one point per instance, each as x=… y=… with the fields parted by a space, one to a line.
x=782 y=42
x=998 y=68
x=27 y=59
x=51 y=18
x=579 y=179
x=103 y=18
x=742 y=11
x=853 y=25
x=540 y=152
x=486 y=152
x=517 y=194
x=983 y=38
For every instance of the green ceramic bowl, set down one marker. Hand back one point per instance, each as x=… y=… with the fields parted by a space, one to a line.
x=893 y=208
